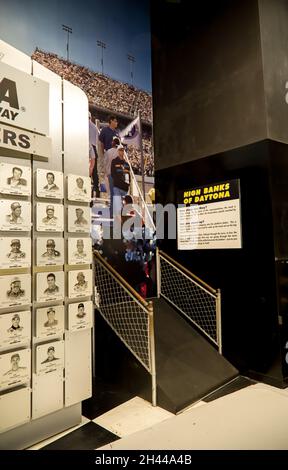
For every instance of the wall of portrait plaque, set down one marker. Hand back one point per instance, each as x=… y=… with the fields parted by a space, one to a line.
x=49 y=217
x=80 y=316
x=49 y=357
x=15 y=290
x=15 y=216
x=79 y=188
x=15 y=328
x=80 y=283
x=49 y=321
x=50 y=286
x=50 y=251
x=79 y=250
x=15 y=368
x=15 y=252
x=79 y=219
x=49 y=184
x=15 y=179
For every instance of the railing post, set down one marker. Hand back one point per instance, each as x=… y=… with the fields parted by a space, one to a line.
x=158 y=273
x=218 y=320
x=152 y=353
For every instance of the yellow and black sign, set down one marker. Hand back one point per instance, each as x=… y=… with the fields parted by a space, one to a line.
x=214 y=192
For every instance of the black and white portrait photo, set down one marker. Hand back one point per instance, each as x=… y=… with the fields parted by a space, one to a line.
x=15 y=216
x=15 y=368
x=49 y=321
x=79 y=188
x=15 y=252
x=15 y=290
x=49 y=357
x=79 y=251
x=50 y=286
x=49 y=184
x=15 y=179
x=79 y=219
x=15 y=328
x=80 y=283
x=50 y=217
x=50 y=251
x=80 y=315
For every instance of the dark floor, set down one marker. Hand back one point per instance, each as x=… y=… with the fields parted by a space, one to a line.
x=88 y=437
x=233 y=386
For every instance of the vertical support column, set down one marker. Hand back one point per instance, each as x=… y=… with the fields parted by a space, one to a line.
x=152 y=353
x=158 y=273
x=218 y=321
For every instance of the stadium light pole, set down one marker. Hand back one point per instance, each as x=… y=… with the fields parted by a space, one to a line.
x=68 y=30
x=103 y=46
x=132 y=61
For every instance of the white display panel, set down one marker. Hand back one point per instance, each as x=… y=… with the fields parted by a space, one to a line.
x=79 y=219
x=15 y=290
x=49 y=217
x=79 y=251
x=76 y=131
x=50 y=286
x=80 y=283
x=49 y=321
x=14 y=408
x=15 y=328
x=15 y=368
x=42 y=404
x=49 y=184
x=15 y=216
x=79 y=188
x=15 y=252
x=15 y=179
x=78 y=374
x=32 y=114
x=80 y=316
x=55 y=114
x=50 y=251
x=49 y=357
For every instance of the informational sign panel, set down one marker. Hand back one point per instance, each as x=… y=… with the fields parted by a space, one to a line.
x=211 y=218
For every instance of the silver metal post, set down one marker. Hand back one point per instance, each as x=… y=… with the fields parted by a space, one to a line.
x=218 y=320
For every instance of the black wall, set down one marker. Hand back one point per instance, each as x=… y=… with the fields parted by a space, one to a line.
x=219 y=99
x=207 y=78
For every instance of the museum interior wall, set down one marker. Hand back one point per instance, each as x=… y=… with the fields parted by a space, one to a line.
x=220 y=113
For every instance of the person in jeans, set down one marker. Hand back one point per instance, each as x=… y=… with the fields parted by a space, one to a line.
x=120 y=176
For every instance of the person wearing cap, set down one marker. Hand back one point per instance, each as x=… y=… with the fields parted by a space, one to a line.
x=50 y=355
x=50 y=219
x=15 y=359
x=81 y=285
x=109 y=156
x=80 y=190
x=81 y=311
x=15 y=179
x=51 y=253
x=15 y=327
x=80 y=220
x=120 y=174
x=80 y=253
x=50 y=186
x=16 y=252
x=52 y=286
x=15 y=216
x=15 y=289
x=51 y=320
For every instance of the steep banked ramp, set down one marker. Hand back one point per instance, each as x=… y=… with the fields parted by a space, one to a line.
x=188 y=367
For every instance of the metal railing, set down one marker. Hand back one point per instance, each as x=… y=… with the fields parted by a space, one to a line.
x=195 y=299
x=128 y=314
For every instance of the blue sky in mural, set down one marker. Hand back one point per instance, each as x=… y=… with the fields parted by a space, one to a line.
x=123 y=25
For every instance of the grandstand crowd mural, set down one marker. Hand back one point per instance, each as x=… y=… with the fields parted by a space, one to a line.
x=105 y=52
